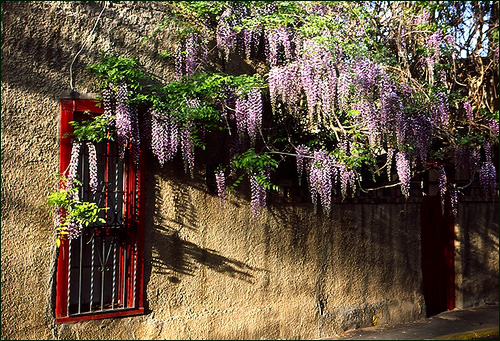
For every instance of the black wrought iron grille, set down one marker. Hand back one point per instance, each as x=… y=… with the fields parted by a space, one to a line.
x=103 y=260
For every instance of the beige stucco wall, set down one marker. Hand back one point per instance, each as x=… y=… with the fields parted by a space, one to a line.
x=476 y=254
x=210 y=273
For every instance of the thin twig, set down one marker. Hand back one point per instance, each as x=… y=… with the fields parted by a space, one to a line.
x=83 y=46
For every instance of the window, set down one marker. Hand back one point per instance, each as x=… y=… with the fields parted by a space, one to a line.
x=100 y=273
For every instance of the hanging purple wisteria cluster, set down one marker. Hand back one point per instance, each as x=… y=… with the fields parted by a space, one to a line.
x=248 y=114
x=324 y=172
x=220 y=180
x=124 y=118
x=404 y=172
x=169 y=134
x=487 y=173
x=73 y=163
x=58 y=214
x=192 y=55
x=92 y=167
x=257 y=195
x=247 y=40
x=72 y=228
x=442 y=183
x=164 y=136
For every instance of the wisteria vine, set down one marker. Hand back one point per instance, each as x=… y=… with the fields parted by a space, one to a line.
x=340 y=107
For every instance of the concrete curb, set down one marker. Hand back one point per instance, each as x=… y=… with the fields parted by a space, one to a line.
x=473 y=334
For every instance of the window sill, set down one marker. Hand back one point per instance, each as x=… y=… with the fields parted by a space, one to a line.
x=99 y=315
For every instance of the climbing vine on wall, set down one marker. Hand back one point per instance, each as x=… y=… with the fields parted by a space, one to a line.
x=361 y=94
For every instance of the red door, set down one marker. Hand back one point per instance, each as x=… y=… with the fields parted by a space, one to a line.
x=438 y=270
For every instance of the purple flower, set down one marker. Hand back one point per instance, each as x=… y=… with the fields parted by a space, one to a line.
x=344 y=83
x=422 y=131
x=172 y=136
x=204 y=51
x=272 y=48
x=487 y=178
x=274 y=85
x=390 y=155
x=487 y=151
x=441 y=110
x=179 y=61
x=430 y=64
x=449 y=39
x=135 y=137
x=127 y=124
x=321 y=177
x=423 y=18
x=187 y=147
x=442 y=74
x=277 y=38
x=157 y=137
x=123 y=120
x=221 y=186
x=258 y=195
x=241 y=115
x=368 y=116
x=468 y=111
x=226 y=37
x=404 y=172
x=347 y=180
x=284 y=82
x=254 y=118
x=454 y=201
x=107 y=104
x=248 y=38
x=474 y=158
x=493 y=125
x=164 y=136
x=366 y=74
x=442 y=182
x=57 y=217
x=73 y=163
x=92 y=167
x=191 y=53
x=73 y=229
x=434 y=42
x=302 y=151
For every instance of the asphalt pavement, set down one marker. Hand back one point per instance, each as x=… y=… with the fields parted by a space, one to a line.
x=480 y=323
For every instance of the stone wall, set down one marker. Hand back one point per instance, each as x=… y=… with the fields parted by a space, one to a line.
x=209 y=273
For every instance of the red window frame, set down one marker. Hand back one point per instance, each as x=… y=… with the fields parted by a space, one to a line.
x=71 y=110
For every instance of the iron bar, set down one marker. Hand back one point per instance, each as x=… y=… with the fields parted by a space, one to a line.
x=84 y=183
x=124 y=276
x=135 y=269
x=114 y=277
x=103 y=242
x=117 y=171
x=80 y=275
x=92 y=270
x=69 y=274
x=106 y=178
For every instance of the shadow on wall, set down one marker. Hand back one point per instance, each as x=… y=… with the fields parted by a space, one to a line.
x=166 y=252
x=184 y=257
x=38 y=60
x=478 y=257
